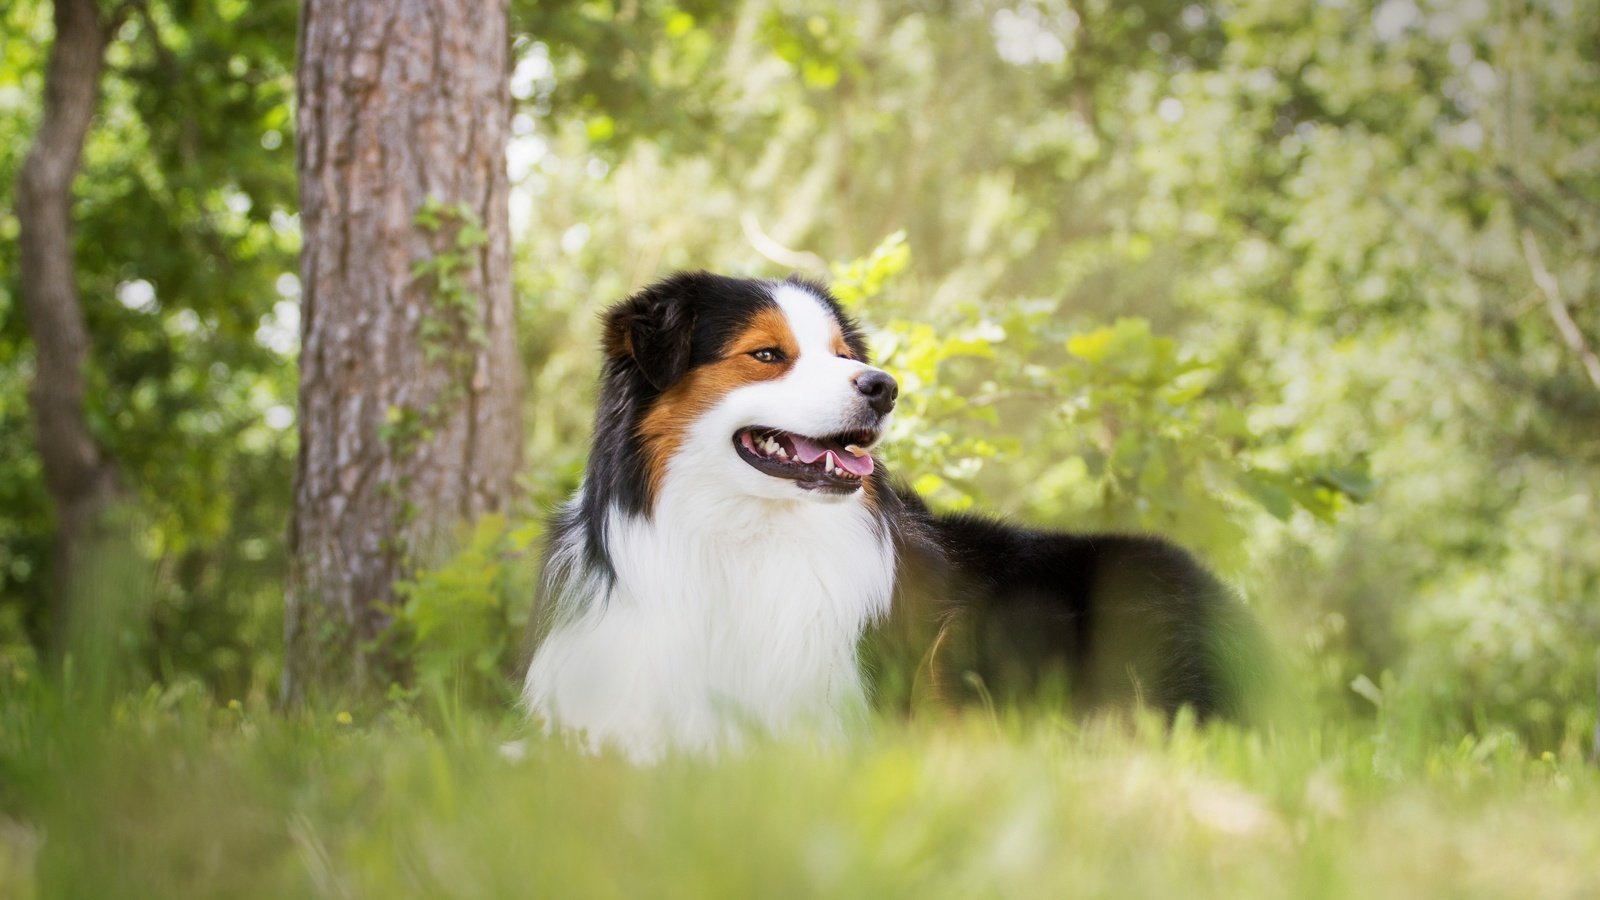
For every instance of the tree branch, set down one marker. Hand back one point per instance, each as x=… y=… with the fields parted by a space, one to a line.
x=765 y=245
x=1557 y=307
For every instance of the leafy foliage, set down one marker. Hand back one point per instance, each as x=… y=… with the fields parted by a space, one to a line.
x=185 y=253
x=1115 y=426
x=1285 y=280
x=1256 y=275
x=461 y=623
x=451 y=332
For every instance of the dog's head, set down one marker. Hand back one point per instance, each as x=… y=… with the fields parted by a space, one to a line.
x=762 y=387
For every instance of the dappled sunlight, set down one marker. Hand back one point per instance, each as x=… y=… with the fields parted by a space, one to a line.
x=1307 y=288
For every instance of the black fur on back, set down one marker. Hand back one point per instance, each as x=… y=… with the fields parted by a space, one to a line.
x=995 y=612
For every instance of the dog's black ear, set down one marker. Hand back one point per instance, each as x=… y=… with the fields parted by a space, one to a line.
x=654 y=329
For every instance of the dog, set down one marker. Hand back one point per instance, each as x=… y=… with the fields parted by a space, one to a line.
x=734 y=540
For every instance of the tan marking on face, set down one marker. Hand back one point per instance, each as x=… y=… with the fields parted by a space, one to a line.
x=662 y=429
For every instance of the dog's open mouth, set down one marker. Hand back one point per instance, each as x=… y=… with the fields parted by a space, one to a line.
x=836 y=463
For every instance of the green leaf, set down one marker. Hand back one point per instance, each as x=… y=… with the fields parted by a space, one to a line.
x=600 y=129
x=678 y=24
x=1090 y=346
x=1354 y=482
x=1265 y=490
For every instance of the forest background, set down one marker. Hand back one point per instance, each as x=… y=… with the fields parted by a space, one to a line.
x=1310 y=287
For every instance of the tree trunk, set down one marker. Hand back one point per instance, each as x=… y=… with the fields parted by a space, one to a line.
x=79 y=474
x=408 y=375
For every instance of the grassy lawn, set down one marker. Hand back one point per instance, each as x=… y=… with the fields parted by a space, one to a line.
x=169 y=796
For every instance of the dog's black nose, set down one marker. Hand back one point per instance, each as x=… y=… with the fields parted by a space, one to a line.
x=880 y=390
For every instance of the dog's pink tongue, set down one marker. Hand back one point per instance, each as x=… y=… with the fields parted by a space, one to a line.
x=858 y=465
x=806 y=450
x=809 y=451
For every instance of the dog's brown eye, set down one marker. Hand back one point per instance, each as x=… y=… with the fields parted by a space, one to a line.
x=768 y=355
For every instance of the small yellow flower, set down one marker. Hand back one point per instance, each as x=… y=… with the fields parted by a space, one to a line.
x=235 y=705
x=343 y=718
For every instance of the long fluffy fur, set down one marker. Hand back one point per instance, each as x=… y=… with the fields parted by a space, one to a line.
x=687 y=599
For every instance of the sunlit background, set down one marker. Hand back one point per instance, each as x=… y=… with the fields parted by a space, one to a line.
x=1286 y=280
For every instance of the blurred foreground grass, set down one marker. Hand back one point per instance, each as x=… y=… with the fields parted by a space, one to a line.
x=169 y=795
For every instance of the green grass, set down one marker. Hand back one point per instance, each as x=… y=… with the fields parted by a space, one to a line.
x=170 y=796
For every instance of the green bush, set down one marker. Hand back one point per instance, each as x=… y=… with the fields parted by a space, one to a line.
x=458 y=625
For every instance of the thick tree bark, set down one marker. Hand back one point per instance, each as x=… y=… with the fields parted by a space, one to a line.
x=79 y=474
x=408 y=375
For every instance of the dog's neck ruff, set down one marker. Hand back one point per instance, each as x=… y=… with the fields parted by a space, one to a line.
x=727 y=615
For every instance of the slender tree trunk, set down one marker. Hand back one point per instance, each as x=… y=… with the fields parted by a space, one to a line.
x=79 y=474
x=408 y=376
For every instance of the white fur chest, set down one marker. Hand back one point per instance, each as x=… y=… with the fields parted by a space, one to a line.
x=726 y=614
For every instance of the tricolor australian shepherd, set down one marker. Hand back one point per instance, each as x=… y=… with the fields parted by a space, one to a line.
x=734 y=541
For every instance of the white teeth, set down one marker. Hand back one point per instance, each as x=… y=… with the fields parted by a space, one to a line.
x=782 y=453
x=855 y=450
x=827 y=464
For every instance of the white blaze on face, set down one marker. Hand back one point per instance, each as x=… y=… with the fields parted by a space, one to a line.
x=821 y=386
x=811 y=321
x=816 y=397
